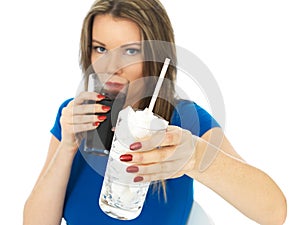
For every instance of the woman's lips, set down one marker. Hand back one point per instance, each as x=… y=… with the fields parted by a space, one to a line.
x=114 y=85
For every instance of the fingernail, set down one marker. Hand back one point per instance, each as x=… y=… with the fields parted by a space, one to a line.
x=126 y=158
x=96 y=124
x=138 y=179
x=132 y=169
x=100 y=97
x=105 y=107
x=102 y=117
x=135 y=146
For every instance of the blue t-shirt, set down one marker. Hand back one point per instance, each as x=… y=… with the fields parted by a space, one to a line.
x=83 y=190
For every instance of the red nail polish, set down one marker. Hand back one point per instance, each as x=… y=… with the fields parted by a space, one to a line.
x=105 y=107
x=138 y=179
x=126 y=158
x=100 y=97
x=96 y=124
x=135 y=146
x=102 y=117
x=132 y=169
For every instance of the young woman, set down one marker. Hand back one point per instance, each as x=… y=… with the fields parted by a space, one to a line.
x=69 y=188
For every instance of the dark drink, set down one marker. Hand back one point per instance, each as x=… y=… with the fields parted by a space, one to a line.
x=99 y=141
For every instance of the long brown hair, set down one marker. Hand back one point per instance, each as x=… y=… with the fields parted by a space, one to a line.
x=157 y=34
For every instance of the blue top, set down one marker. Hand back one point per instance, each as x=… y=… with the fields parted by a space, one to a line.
x=82 y=195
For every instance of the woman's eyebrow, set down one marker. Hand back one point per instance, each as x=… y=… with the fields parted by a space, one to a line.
x=122 y=46
x=98 y=42
x=130 y=44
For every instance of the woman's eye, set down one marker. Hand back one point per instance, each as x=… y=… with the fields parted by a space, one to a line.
x=132 y=51
x=100 y=49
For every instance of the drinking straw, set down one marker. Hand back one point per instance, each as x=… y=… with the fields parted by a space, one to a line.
x=159 y=83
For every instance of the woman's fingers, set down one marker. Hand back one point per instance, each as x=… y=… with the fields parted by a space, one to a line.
x=164 y=167
x=173 y=158
x=167 y=150
x=84 y=113
x=158 y=171
x=158 y=164
x=88 y=96
x=90 y=109
x=77 y=128
x=88 y=103
x=81 y=119
x=153 y=156
x=173 y=136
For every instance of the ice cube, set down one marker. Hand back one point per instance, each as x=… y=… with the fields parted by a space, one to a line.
x=144 y=123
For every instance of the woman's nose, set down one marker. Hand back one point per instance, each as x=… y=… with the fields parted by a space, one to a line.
x=110 y=63
x=113 y=63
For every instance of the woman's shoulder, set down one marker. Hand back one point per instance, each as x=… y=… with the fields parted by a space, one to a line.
x=65 y=103
x=191 y=116
x=56 y=129
x=182 y=103
x=187 y=108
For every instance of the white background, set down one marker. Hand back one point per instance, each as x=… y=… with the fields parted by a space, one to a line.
x=251 y=47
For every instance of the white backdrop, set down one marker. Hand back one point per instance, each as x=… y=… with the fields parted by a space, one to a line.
x=251 y=47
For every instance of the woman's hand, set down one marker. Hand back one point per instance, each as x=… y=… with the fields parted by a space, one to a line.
x=78 y=116
x=173 y=158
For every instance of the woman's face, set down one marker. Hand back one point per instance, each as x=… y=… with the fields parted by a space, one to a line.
x=116 y=47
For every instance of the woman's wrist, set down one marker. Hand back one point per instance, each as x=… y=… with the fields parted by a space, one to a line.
x=69 y=148
x=204 y=155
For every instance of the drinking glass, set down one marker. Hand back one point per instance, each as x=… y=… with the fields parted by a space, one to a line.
x=114 y=88
x=121 y=197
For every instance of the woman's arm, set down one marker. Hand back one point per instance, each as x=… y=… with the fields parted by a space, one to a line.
x=212 y=160
x=45 y=203
x=247 y=188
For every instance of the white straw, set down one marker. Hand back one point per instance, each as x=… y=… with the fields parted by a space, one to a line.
x=159 y=83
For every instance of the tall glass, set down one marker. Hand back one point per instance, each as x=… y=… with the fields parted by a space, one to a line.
x=121 y=197
x=114 y=88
